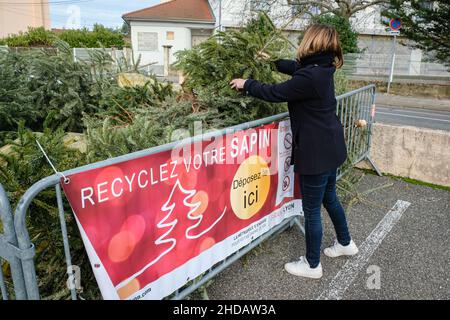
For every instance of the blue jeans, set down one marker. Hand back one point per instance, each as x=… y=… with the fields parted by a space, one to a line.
x=317 y=190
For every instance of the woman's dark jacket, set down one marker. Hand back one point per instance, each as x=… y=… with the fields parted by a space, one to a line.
x=319 y=144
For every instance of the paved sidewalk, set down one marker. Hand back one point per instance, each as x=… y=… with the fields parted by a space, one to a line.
x=383 y=99
x=413 y=258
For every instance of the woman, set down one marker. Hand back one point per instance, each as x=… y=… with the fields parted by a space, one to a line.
x=319 y=146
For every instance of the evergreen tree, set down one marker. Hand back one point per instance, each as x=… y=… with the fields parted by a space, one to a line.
x=22 y=165
x=427 y=25
x=347 y=36
x=210 y=66
x=45 y=90
x=125 y=29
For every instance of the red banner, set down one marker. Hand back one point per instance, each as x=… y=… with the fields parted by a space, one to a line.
x=152 y=224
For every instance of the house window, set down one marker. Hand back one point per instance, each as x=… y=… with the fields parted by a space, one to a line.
x=170 y=35
x=147 y=41
x=260 y=5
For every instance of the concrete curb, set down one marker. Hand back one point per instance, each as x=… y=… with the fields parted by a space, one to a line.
x=412 y=102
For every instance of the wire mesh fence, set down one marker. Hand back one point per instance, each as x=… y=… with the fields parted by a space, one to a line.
x=380 y=64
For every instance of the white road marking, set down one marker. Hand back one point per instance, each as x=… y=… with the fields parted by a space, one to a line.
x=408 y=116
x=435 y=113
x=354 y=265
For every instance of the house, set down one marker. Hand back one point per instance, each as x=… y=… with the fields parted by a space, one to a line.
x=17 y=16
x=159 y=31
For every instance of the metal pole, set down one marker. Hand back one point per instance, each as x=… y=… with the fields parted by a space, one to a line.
x=220 y=15
x=391 y=75
x=62 y=220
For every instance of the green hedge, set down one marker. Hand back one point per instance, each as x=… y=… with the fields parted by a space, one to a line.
x=100 y=36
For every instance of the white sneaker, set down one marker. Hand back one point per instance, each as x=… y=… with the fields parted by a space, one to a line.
x=301 y=268
x=337 y=250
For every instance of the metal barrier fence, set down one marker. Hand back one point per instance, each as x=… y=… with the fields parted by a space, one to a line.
x=355 y=110
x=10 y=252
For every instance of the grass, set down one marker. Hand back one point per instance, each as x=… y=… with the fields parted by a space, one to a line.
x=420 y=183
x=409 y=180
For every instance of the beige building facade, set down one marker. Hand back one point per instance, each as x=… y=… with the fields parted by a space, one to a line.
x=17 y=16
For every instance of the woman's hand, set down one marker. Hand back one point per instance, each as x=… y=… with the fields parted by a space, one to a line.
x=237 y=84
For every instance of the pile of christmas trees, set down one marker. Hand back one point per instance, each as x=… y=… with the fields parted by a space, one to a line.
x=206 y=95
x=54 y=94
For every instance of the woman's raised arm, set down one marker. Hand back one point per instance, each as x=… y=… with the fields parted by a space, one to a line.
x=286 y=66
x=297 y=88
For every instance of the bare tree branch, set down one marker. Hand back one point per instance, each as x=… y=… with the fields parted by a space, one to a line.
x=368 y=4
x=345 y=8
x=321 y=4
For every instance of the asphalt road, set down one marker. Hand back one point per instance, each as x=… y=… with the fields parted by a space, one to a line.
x=412 y=259
x=431 y=119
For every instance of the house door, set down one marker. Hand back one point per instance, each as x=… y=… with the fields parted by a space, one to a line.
x=198 y=39
x=200 y=35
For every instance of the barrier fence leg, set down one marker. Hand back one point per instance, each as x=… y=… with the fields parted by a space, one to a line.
x=9 y=234
x=23 y=239
x=374 y=166
x=371 y=122
x=299 y=225
x=70 y=271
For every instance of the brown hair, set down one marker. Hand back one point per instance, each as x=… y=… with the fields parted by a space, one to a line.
x=321 y=38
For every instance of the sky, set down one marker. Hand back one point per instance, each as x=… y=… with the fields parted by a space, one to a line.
x=85 y=13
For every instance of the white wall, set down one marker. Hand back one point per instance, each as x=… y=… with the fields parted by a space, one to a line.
x=236 y=12
x=182 y=40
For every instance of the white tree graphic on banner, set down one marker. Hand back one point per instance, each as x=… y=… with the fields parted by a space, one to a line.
x=169 y=222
